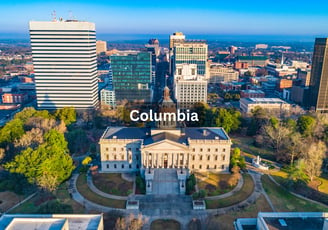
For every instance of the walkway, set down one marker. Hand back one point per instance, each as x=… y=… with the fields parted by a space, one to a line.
x=165 y=182
x=232 y=192
x=101 y=193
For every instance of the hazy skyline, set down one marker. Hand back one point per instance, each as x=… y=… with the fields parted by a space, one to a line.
x=164 y=17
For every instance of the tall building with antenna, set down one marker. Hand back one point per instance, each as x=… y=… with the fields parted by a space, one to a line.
x=65 y=63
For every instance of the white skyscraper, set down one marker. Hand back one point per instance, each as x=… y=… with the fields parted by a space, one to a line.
x=65 y=63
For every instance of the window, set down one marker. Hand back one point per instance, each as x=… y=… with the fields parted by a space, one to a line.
x=122 y=149
x=201 y=149
x=193 y=149
x=193 y=166
x=208 y=167
x=216 y=157
x=216 y=150
x=208 y=150
x=107 y=156
x=193 y=157
x=130 y=166
x=137 y=157
x=106 y=149
x=214 y=166
x=122 y=157
x=122 y=166
x=115 y=157
x=201 y=157
x=114 y=149
x=223 y=150
x=137 y=166
x=114 y=166
x=129 y=149
x=107 y=165
x=223 y=157
x=137 y=149
x=200 y=167
x=208 y=157
x=222 y=166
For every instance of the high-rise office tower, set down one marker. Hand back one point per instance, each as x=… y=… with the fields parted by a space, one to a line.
x=101 y=46
x=191 y=52
x=65 y=63
x=318 y=88
x=175 y=38
x=132 y=76
x=189 y=87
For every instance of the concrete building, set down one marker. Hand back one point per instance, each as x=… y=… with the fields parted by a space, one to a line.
x=250 y=93
x=52 y=221
x=107 y=96
x=272 y=104
x=191 y=52
x=319 y=76
x=298 y=93
x=132 y=76
x=254 y=60
x=284 y=84
x=65 y=64
x=284 y=220
x=189 y=87
x=14 y=98
x=101 y=46
x=220 y=73
x=261 y=46
x=159 y=151
x=176 y=38
x=304 y=75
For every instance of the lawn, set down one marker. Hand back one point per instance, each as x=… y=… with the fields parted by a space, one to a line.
x=214 y=183
x=112 y=183
x=85 y=191
x=9 y=199
x=226 y=221
x=284 y=201
x=246 y=145
x=323 y=187
x=61 y=194
x=239 y=196
x=165 y=224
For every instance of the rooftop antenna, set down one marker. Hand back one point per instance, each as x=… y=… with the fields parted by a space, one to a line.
x=54 y=17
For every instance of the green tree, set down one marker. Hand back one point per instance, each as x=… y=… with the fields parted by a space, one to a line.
x=305 y=125
x=12 y=131
x=66 y=114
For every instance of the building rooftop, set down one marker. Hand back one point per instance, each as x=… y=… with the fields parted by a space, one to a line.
x=51 y=221
x=252 y=91
x=182 y=137
x=264 y=100
x=254 y=58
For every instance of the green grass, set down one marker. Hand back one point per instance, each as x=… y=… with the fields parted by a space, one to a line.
x=215 y=183
x=112 y=183
x=226 y=221
x=165 y=224
x=323 y=187
x=284 y=201
x=242 y=194
x=26 y=207
x=85 y=191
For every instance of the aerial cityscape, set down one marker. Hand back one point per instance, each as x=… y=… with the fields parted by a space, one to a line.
x=150 y=115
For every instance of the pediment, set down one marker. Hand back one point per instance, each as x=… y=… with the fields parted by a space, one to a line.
x=166 y=145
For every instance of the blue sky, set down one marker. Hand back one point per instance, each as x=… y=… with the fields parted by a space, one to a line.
x=285 y=17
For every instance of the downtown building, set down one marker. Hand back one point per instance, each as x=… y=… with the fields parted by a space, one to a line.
x=189 y=87
x=132 y=76
x=318 y=88
x=65 y=63
x=172 y=152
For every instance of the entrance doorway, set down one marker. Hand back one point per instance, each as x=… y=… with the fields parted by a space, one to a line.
x=165 y=161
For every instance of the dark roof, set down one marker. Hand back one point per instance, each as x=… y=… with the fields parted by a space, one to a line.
x=201 y=133
x=253 y=58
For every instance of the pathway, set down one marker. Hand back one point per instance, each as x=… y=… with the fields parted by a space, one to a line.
x=232 y=192
x=165 y=182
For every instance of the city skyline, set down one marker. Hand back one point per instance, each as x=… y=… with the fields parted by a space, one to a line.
x=284 y=18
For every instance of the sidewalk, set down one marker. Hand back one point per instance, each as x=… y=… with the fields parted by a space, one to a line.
x=233 y=191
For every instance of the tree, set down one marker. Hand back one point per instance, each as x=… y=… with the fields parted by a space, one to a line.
x=66 y=114
x=294 y=146
x=237 y=160
x=48 y=165
x=87 y=160
x=31 y=139
x=305 y=125
x=276 y=134
x=259 y=117
x=313 y=159
x=297 y=171
x=77 y=140
x=228 y=119
x=12 y=131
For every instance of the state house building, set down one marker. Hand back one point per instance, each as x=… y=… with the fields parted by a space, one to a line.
x=126 y=149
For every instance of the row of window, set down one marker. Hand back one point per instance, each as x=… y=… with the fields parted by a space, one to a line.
x=193 y=150
x=114 y=149
x=208 y=167
x=122 y=157
x=122 y=166
x=223 y=157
